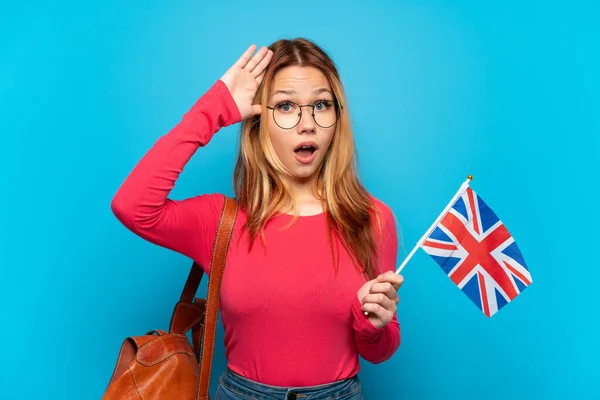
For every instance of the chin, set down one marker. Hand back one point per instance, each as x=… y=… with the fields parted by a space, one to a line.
x=303 y=173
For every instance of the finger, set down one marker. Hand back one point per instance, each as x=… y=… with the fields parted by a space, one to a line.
x=378 y=311
x=256 y=59
x=395 y=279
x=256 y=109
x=381 y=299
x=260 y=77
x=386 y=289
x=388 y=275
x=260 y=67
x=245 y=57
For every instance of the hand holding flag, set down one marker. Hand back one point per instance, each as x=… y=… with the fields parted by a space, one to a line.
x=379 y=298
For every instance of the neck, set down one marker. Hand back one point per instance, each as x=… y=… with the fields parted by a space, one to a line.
x=305 y=197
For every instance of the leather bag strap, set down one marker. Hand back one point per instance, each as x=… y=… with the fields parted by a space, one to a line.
x=192 y=283
x=217 y=266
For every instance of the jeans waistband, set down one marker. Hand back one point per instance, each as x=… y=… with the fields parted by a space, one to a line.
x=248 y=389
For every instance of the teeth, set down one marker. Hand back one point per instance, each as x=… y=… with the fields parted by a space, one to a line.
x=307 y=147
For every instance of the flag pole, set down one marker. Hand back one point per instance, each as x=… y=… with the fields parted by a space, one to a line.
x=460 y=191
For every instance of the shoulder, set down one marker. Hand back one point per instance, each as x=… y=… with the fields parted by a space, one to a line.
x=201 y=219
x=207 y=207
x=383 y=211
x=211 y=202
x=384 y=219
x=386 y=234
x=215 y=200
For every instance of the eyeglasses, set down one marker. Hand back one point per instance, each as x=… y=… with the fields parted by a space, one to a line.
x=288 y=114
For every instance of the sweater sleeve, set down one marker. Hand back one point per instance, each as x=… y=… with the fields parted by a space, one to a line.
x=142 y=204
x=377 y=345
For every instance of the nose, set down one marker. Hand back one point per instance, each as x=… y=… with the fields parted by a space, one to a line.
x=307 y=122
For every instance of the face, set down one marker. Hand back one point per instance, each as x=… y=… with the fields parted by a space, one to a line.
x=302 y=147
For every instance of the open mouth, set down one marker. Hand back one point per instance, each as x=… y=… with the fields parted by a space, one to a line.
x=305 y=151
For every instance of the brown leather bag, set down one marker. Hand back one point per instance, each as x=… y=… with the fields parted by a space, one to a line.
x=161 y=365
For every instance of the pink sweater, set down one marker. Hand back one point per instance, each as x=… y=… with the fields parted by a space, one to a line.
x=288 y=319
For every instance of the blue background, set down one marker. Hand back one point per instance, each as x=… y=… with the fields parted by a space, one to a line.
x=437 y=90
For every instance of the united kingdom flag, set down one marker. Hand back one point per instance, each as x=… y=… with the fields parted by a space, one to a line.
x=474 y=248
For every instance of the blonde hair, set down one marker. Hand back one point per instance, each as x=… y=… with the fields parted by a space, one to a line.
x=261 y=192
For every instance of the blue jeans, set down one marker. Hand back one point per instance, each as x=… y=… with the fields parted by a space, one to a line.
x=235 y=387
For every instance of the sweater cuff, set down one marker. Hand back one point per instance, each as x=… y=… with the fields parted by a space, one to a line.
x=232 y=114
x=362 y=326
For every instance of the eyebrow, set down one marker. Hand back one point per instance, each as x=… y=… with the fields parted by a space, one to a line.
x=291 y=92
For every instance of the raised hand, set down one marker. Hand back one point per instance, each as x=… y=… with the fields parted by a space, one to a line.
x=379 y=298
x=243 y=78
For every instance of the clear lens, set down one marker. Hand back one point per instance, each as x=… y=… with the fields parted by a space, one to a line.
x=287 y=114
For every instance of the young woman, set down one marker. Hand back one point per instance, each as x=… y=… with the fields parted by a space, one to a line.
x=309 y=283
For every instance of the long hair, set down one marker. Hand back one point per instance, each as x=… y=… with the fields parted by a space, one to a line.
x=261 y=192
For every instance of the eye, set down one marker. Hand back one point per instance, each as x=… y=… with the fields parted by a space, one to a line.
x=323 y=105
x=285 y=106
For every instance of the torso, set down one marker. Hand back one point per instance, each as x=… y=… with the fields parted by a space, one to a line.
x=284 y=304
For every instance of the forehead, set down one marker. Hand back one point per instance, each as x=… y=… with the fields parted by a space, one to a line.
x=299 y=79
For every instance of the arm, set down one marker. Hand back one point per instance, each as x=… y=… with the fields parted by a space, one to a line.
x=142 y=203
x=377 y=344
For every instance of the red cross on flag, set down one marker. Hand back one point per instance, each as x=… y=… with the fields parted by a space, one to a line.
x=476 y=251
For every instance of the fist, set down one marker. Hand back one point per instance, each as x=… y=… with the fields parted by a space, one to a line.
x=379 y=298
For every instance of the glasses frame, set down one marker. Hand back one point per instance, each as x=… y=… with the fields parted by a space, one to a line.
x=338 y=112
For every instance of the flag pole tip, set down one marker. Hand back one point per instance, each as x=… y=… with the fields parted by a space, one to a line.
x=470 y=177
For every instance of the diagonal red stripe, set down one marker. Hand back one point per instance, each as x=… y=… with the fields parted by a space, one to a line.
x=517 y=273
